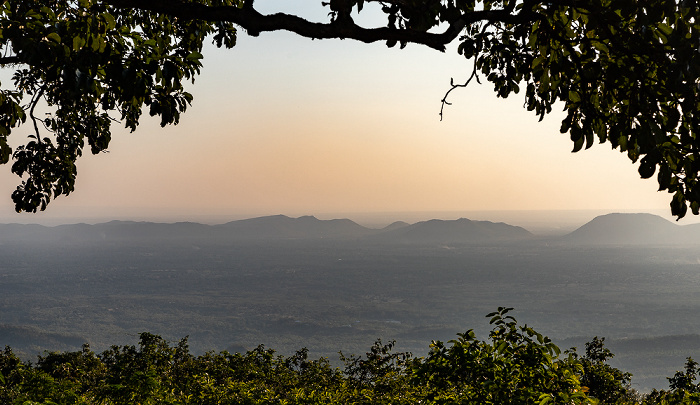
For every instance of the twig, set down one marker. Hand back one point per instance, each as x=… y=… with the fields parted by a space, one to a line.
x=454 y=86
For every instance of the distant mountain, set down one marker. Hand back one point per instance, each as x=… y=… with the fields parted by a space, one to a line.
x=21 y=231
x=455 y=231
x=274 y=227
x=284 y=227
x=31 y=234
x=634 y=229
x=395 y=225
x=110 y=231
x=271 y=227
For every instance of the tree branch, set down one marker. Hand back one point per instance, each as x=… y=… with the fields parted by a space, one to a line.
x=35 y=100
x=255 y=23
x=9 y=60
x=453 y=86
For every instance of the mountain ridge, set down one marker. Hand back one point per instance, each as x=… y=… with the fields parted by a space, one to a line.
x=274 y=227
x=633 y=229
x=461 y=230
x=612 y=229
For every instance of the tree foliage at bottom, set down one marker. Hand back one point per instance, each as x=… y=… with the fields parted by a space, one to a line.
x=515 y=365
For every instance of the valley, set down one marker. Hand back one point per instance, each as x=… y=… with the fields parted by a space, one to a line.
x=341 y=293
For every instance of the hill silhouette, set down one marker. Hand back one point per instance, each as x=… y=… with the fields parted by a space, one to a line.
x=270 y=227
x=395 y=225
x=634 y=229
x=273 y=227
x=456 y=231
x=611 y=229
x=284 y=227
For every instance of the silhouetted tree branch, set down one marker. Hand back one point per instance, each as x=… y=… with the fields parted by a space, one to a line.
x=341 y=28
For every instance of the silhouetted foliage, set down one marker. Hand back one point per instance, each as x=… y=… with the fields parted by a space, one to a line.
x=515 y=366
x=606 y=383
x=683 y=388
x=625 y=71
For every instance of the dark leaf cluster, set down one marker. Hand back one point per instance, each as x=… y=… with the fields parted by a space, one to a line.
x=85 y=66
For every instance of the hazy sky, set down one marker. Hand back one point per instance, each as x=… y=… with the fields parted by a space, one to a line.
x=282 y=124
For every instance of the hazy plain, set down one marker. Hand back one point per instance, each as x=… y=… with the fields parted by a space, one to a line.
x=227 y=290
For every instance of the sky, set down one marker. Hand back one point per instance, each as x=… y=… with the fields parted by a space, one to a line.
x=287 y=125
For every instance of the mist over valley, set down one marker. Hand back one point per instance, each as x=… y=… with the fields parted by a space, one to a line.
x=332 y=285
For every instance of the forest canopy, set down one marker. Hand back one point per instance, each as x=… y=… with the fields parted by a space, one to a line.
x=626 y=72
x=514 y=365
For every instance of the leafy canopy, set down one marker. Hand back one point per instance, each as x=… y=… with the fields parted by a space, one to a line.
x=626 y=72
x=516 y=365
x=87 y=65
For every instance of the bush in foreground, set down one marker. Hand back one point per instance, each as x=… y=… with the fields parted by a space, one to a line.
x=515 y=365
